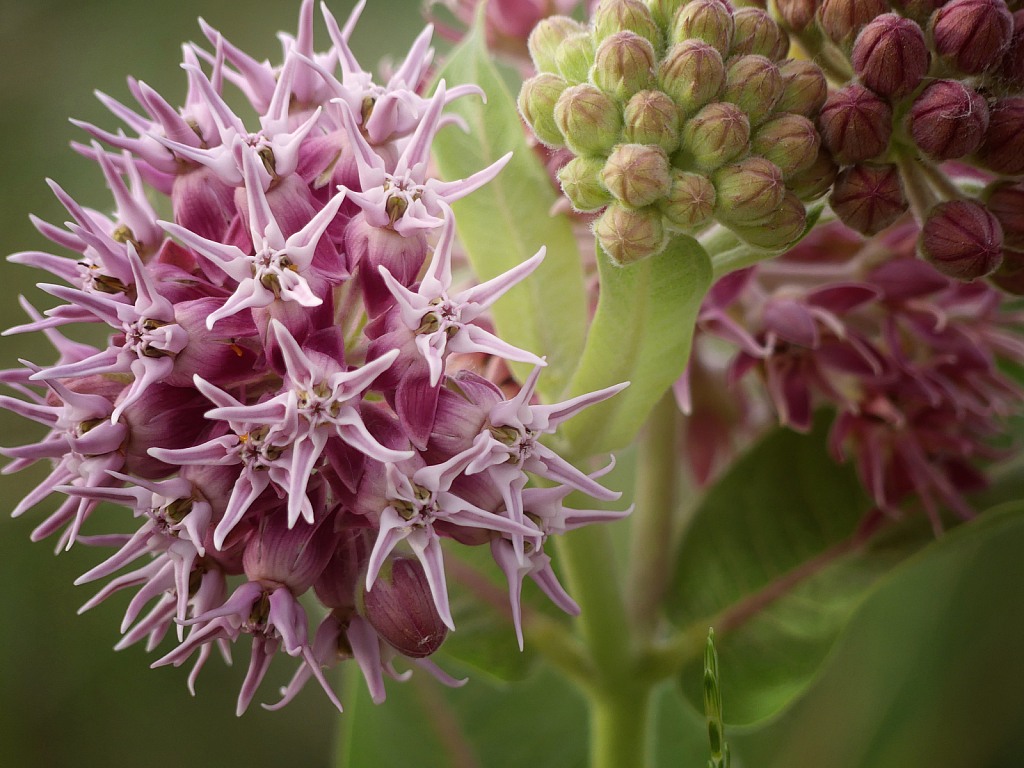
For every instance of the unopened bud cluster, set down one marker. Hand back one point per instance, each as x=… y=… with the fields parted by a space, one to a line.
x=932 y=81
x=679 y=114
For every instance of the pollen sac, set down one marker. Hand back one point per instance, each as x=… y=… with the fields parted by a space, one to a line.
x=891 y=56
x=855 y=124
x=546 y=38
x=581 y=183
x=589 y=119
x=962 y=240
x=868 y=198
x=638 y=175
x=400 y=608
x=629 y=236
x=624 y=65
x=948 y=120
x=537 y=102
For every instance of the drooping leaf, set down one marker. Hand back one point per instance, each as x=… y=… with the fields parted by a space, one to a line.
x=777 y=560
x=641 y=333
x=508 y=220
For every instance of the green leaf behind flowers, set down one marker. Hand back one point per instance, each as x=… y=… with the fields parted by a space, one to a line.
x=508 y=220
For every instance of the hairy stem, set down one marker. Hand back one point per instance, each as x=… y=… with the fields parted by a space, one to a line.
x=619 y=729
x=650 y=559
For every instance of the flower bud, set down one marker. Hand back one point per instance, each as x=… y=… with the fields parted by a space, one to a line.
x=589 y=119
x=1006 y=203
x=796 y=15
x=708 y=20
x=891 y=56
x=638 y=175
x=690 y=203
x=948 y=120
x=868 y=198
x=758 y=34
x=814 y=182
x=401 y=610
x=575 y=57
x=788 y=141
x=623 y=65
x=663 y=11
x=693 y=74
x=614 y=16
x=748 y=190
x=972 y=35
x=804 y=88
x=547 y=36
x=1003 y=147
x=581 y=183
x=918 y=10
x=855 y=125
x=652 y=117
x=718 y=134
x=1010 y=275
x=629 y=236
x=1011 y=68
x=842 y=20
x=537 y=102
x=754 y=84
x=783 y=227
x=962 y=240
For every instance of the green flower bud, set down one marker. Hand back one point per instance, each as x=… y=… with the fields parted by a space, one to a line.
x=718 y=134
x=652 y=117
x=692 y=74
x=581 y=183
x=537 y=102
x=758 y=34
x=629 y=236
x=547 y=36
x=789 y=141
x=816 y=180
x=613 y=16
x=783 y=227
x=804 y=88
x=575 y=57
x=754 y=84
x=638 y=175
x=748 y=191
x=623 y=65
x=690 y=203
x=707 y=20
x=663 y=11
x=589 y=119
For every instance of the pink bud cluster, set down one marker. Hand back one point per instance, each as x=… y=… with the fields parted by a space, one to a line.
x=275 y=403
x=908 y=357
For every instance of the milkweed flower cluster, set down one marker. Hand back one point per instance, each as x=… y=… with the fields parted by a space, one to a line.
x=274 y=403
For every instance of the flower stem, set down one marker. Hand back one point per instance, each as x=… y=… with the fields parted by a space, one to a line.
x=650 y=559
x=619 y=729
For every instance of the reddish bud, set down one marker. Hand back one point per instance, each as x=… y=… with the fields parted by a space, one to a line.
x=1003 y=147
x=692 y=74
x=962 y=240
x=868 y=198
x=855 y=124
x=401 y=609
x=816 y=180
x=754 y=84
x=891 y=56
x=1006 y=203
x=1011 y=68
x=707 y=20
x=804 y=88
x=972 y=34
x=842 y=20
x=1010 y=275
x=293 y=557
x=948 y=120
x=795 y=14
x=918 y=10
x=757 y=33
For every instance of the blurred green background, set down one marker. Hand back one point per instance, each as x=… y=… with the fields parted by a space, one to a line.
x=931 y=673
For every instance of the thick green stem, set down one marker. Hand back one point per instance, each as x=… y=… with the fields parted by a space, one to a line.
x=619 y=729
x=651 y=547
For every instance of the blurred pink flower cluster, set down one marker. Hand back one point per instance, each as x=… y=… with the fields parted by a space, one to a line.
x=274 y=401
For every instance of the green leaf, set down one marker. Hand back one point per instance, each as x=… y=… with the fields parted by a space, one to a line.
x=541 y=723
x=641 y=334
x=508 y=220
x=776 y=561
